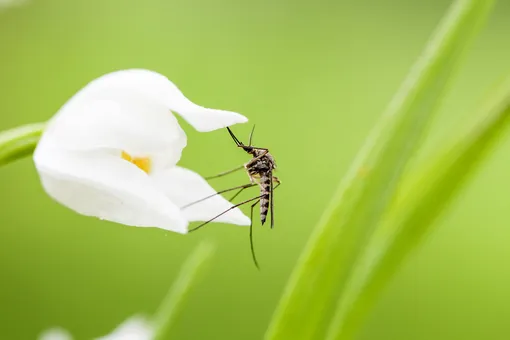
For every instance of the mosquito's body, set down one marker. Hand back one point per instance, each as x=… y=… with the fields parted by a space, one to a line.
x=260 y=171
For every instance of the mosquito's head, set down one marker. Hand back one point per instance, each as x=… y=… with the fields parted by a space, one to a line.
x=248 y=149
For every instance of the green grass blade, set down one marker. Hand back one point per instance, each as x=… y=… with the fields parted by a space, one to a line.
x=19 y=142
x=311 y=296
x=423 y=200
x=173 y=301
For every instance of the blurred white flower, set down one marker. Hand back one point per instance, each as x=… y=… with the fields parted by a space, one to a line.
x=55 y=334
x=111 y=152
x=135 y=328
x=11 y=3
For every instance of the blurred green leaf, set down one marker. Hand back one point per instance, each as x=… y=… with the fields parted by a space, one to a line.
x=19 y=142
x=180 y=289
x=310 y=299
x=423 y=200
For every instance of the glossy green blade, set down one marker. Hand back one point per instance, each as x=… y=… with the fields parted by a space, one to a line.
x=423 y=200
x=180 y=289
x=19 y=142
x=310 y=299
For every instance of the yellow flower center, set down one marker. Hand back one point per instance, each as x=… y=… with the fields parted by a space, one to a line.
x=144 y=163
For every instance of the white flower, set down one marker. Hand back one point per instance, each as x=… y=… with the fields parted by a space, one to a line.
x=135 y=328
x=111 y=152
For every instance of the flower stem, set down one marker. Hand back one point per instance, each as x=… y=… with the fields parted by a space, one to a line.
x=19 y=142
x=168 y=309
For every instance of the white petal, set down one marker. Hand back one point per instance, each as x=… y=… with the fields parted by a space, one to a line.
x=113 y=118
x=184 y=186
x=105 y=186
x=55 y=334
x=135 y=328
x=159 y=89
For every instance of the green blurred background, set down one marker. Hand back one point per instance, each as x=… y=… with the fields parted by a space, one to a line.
x=314 y=76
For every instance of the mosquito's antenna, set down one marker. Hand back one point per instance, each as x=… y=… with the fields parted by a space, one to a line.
x=251 y=134
x=234 y=137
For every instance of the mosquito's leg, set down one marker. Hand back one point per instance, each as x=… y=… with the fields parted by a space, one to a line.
x=241 y=190
x=236 y=194
x=251 y=227
x=225 y=172
x=273 y=180
x=232 y=207
x=252 y=179
x=272 y=201
x=242 y=187
x=251 y=236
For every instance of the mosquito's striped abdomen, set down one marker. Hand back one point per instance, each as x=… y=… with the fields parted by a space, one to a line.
x=265 y=192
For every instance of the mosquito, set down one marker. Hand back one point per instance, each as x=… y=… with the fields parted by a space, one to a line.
x=260 y=170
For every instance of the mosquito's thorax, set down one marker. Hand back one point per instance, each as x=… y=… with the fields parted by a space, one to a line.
x=261 y=164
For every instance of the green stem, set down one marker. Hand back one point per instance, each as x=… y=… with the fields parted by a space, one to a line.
x=19 y=142
x=308 y=306
x=425 y=197
x=165 y=316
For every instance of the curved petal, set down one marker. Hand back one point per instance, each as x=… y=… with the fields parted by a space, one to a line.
x=119 y=120
x=157 y=88
x=105 y=186
x=184 y=186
